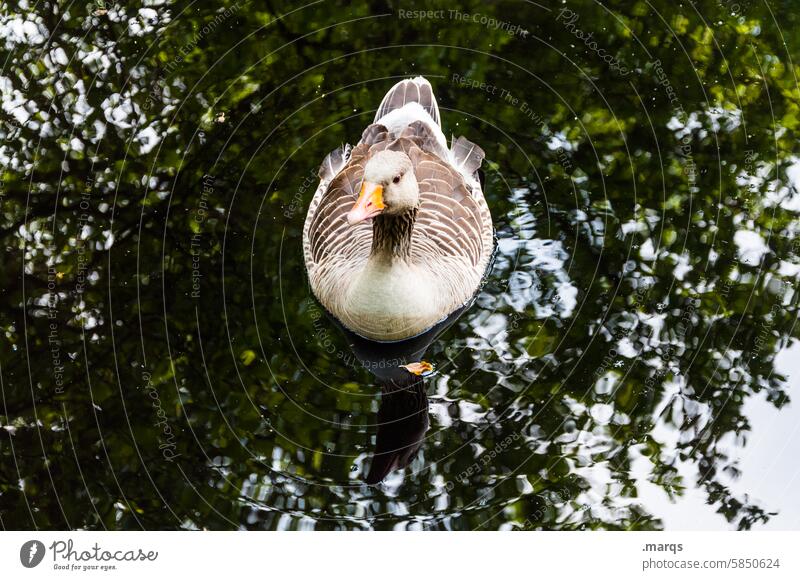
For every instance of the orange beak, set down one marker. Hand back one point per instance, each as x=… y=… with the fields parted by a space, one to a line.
x=369 y=204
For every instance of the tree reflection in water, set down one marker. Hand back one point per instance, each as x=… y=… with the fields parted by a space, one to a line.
x=164 y=366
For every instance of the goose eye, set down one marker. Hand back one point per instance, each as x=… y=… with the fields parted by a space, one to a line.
x=396 y=179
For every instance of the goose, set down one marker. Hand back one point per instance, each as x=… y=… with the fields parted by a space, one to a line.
x=398 y=234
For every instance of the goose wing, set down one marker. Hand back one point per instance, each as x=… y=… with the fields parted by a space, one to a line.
x=327 y=237
x=454 y=220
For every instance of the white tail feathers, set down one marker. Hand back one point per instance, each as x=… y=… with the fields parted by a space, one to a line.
x=416 y=90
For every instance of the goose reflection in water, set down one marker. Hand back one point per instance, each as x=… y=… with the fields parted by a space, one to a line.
x=402 y=424
x=403 y=413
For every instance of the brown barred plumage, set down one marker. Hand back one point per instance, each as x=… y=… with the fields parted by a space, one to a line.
x=447 y=242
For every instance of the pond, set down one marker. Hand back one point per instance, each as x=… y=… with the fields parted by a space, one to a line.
x=628 y=364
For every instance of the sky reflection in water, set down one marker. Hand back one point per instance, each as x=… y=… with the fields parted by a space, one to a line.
x=629 y=363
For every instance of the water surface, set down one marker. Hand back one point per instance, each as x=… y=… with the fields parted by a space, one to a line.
x=626 y=366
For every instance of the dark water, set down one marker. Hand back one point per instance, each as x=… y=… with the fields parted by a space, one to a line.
x=630 y=360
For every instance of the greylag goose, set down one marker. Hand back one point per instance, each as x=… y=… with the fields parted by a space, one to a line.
x=398 y=234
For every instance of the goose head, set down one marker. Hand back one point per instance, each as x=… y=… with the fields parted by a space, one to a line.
x=389 y=187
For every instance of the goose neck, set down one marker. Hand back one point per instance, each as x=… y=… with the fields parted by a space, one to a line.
x=391 y=235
